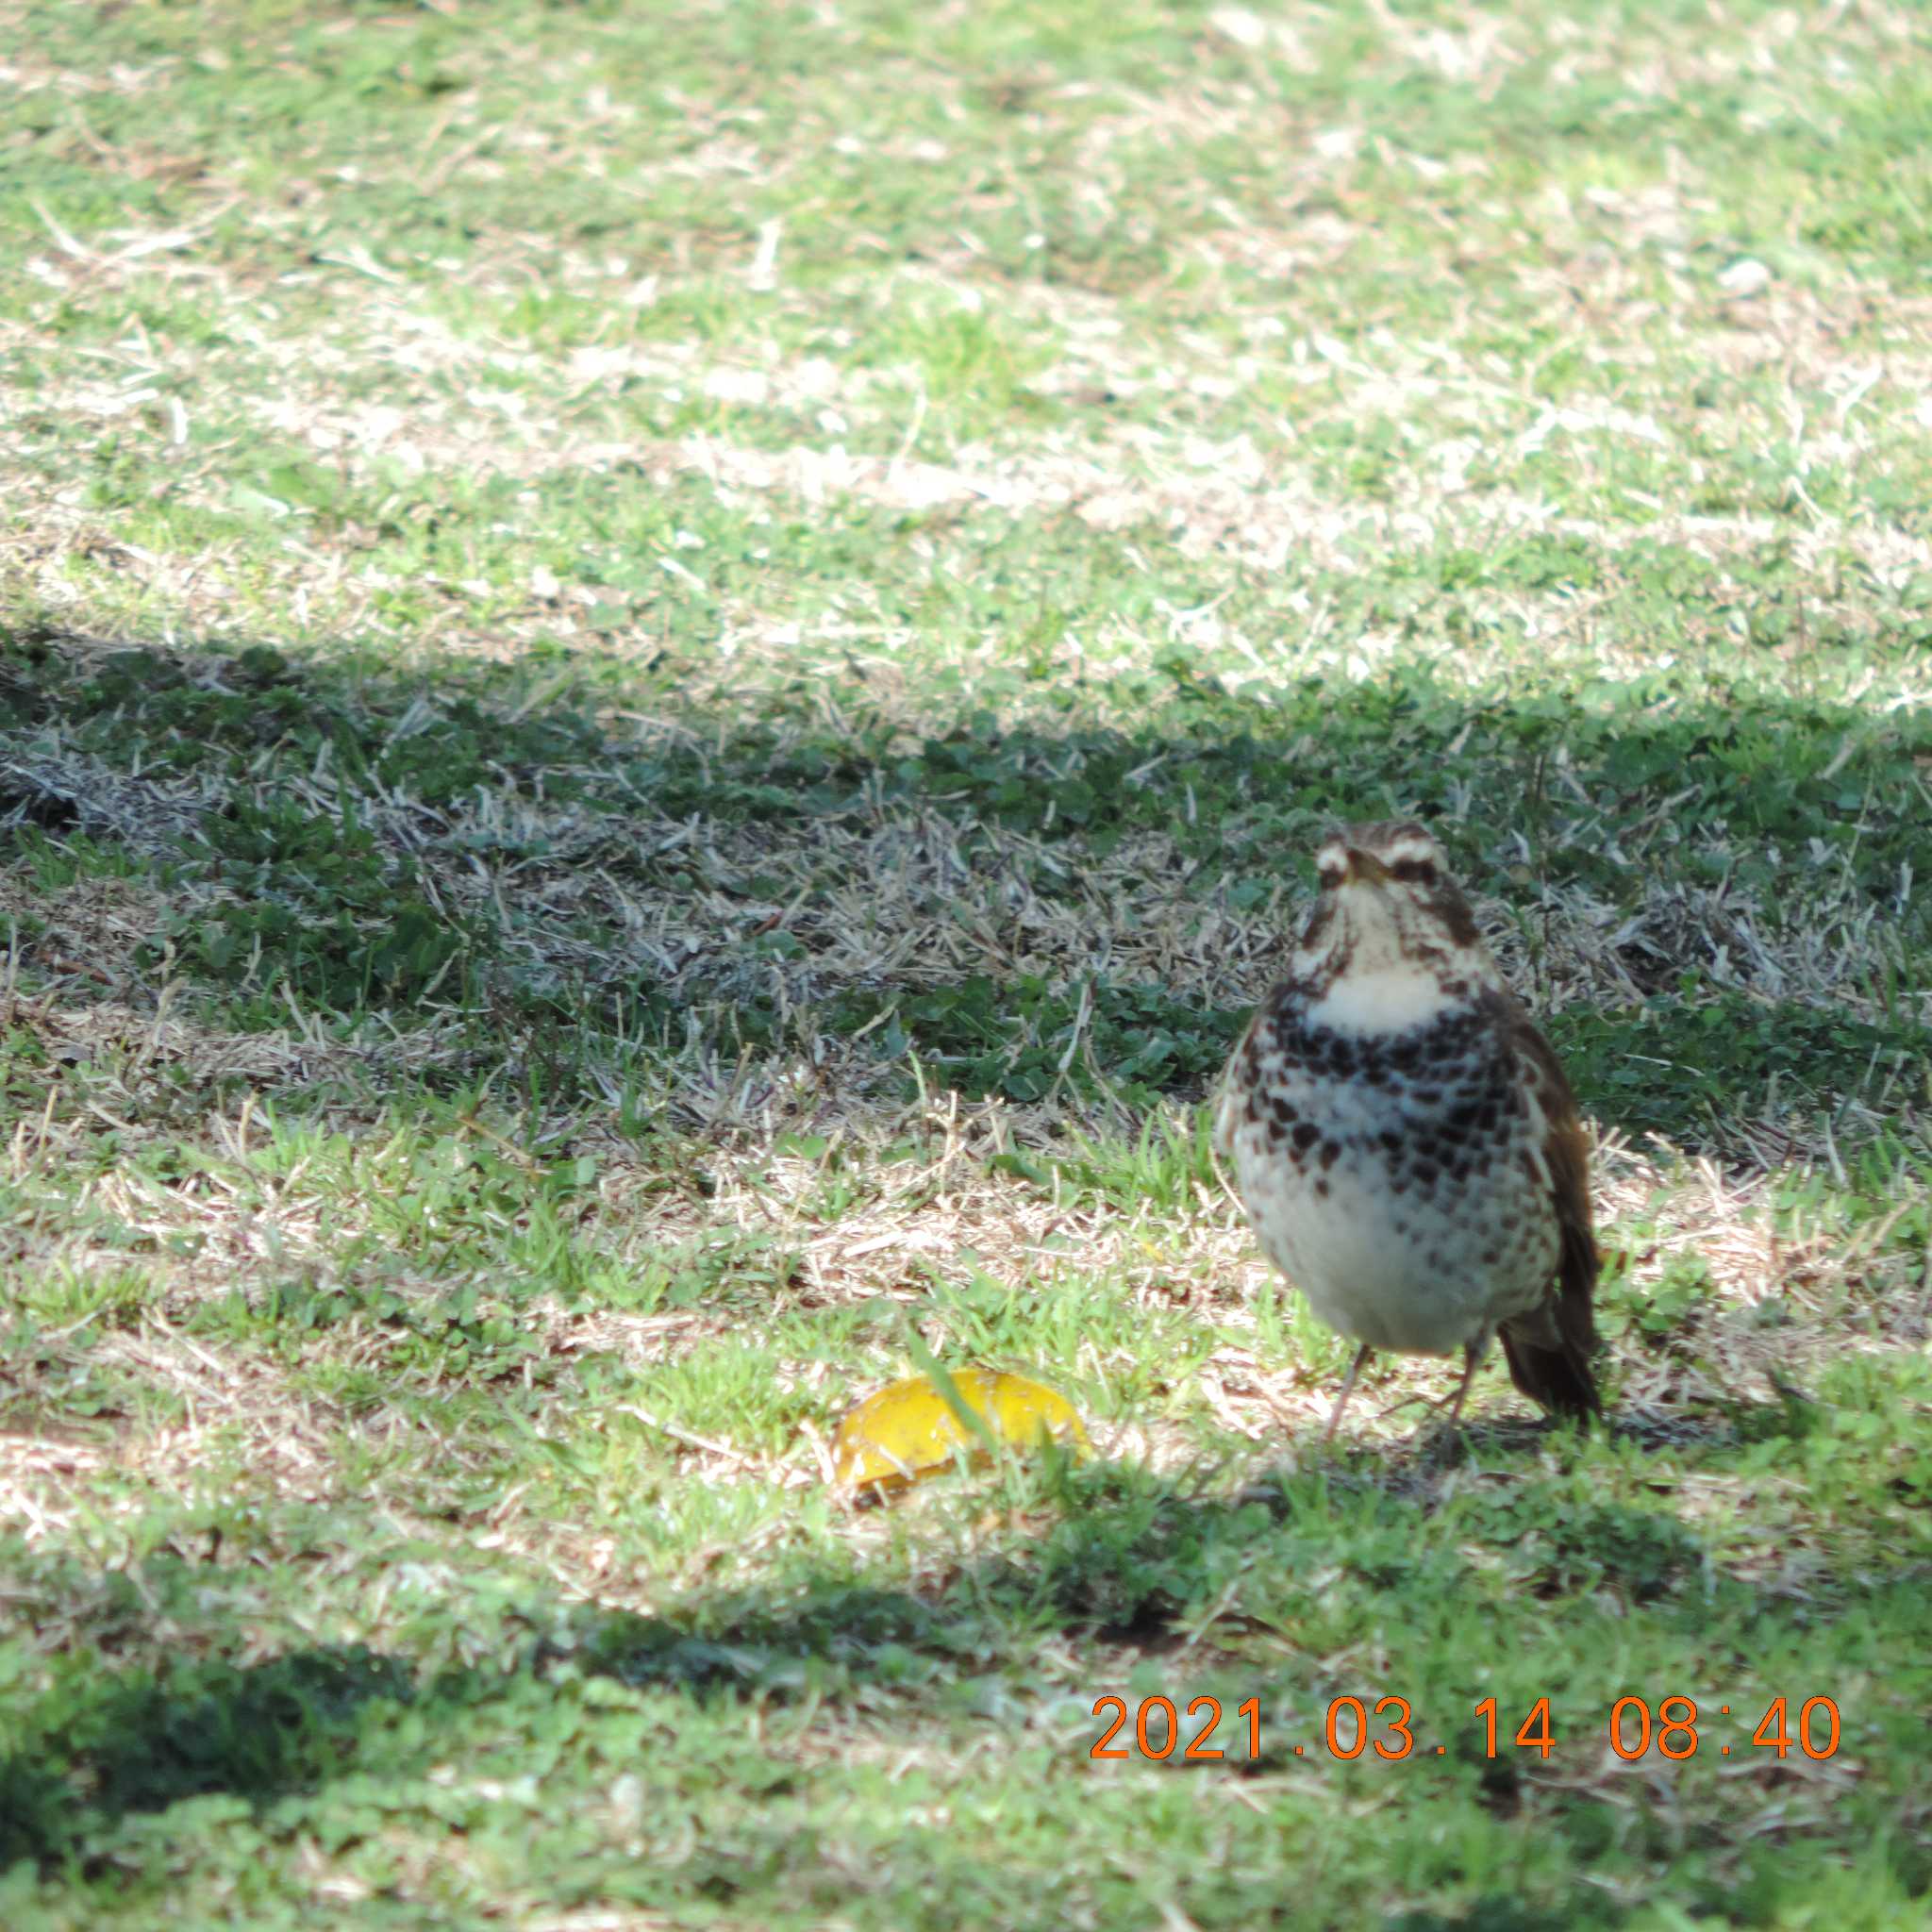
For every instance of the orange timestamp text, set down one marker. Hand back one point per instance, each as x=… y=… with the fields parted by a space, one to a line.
x=1386 y=1728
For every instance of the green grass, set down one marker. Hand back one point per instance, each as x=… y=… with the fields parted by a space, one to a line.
x=665 y=677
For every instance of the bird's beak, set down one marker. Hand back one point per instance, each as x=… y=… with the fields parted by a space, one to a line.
x=1365 y=868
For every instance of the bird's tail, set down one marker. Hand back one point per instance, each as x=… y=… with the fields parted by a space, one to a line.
x=1549 y=1354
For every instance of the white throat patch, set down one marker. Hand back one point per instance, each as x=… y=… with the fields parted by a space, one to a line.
x=1392 y=1000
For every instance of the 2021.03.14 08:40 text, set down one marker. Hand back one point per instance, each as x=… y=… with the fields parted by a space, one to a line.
x=1154 y=1729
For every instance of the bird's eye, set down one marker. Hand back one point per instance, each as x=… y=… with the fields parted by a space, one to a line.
x=1413 y=871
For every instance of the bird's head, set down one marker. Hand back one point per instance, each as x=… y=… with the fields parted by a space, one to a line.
x=1389 y=900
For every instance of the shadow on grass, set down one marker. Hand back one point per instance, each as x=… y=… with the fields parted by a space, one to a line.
x=254 y=1731
x=1687 y=830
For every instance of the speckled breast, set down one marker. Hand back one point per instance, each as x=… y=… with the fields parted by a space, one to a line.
x=1395 y=1178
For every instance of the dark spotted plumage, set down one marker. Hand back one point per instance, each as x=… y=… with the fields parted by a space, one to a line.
x=1403 y=1138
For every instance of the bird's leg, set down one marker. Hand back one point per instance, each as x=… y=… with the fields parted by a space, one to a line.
x=1473 y=1352
x=1355 y=1369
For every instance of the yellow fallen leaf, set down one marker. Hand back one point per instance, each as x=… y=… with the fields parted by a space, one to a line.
x=907 y=1429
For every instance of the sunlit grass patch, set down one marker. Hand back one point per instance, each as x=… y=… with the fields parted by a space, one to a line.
x=663 y=687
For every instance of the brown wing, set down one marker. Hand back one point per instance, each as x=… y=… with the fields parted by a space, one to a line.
x=1549 y=1350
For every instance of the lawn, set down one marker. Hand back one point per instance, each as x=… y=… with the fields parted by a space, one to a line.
x=667 y=674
